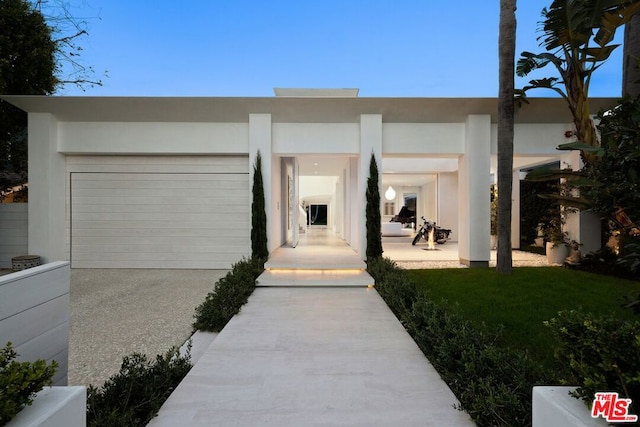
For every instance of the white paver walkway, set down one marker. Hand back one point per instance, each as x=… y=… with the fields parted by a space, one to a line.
x=322 y=353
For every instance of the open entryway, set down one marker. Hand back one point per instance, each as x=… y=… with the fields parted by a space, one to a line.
x=317 y=192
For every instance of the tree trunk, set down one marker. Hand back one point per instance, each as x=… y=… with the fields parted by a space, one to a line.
x=507 y=53
x=631 y=58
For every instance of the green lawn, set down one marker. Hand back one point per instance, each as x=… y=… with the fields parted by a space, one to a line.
x=522 y=301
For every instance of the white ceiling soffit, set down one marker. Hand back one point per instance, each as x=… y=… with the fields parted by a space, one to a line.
x=407 y=180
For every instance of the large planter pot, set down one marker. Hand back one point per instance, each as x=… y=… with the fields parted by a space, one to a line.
x=556 y=254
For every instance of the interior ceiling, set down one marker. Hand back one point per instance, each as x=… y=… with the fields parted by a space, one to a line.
x=321 y=166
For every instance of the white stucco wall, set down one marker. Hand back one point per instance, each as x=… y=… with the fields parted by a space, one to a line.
x=14 y=232
x=448 y=202
x=316 y=138
x=423 y=138
x=152 y=138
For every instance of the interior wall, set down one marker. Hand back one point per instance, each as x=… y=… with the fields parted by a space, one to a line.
x=448 y=202
x=277 y=205
x=430 y=191
x=286 y=183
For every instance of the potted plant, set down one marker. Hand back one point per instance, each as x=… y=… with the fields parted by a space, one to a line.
x=556 y=239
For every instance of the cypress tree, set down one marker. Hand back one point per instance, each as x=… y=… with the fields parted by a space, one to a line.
x=374 y=219
x=259 y=250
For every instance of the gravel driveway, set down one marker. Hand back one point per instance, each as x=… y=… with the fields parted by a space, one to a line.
x=117 y=312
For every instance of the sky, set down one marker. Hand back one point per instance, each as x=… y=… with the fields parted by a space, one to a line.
x=385 y=48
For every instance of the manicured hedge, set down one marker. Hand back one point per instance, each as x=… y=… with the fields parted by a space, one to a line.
x=230 y=293
x=134 y=395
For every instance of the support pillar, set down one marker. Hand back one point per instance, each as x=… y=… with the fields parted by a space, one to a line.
x=583 y=227
x=47 y=195
x=474 y=176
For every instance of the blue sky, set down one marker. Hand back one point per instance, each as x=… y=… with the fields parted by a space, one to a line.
x=392 y=48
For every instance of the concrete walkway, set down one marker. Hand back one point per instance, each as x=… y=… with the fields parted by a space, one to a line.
x=316 y=356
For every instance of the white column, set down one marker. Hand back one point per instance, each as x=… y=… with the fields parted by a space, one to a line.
x=583 y=227
x=47 y=193
x=515 y=211
x=260 y=139
x=354 y=204
x=370 y=142
x=474 y=176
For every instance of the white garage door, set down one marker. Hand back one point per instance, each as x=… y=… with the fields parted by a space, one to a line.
x=147 y=212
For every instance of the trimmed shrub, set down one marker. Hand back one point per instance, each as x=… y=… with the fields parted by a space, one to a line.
x=601 y=353
x=492 y=382
x=374 y=218
x=259 y=249
x=20 y=381
x=230 y=294
x=394 y=286
x=134 y=395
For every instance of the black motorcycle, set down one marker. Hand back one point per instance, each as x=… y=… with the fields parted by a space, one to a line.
x=440 y=235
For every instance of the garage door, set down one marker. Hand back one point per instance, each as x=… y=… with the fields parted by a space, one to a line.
x=158 y=212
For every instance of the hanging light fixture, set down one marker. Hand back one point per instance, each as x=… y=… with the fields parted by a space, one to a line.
x=390 y=194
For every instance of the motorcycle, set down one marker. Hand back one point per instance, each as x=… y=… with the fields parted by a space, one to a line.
x=440 y=235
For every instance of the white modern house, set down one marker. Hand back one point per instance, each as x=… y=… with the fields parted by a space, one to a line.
x=153 y=182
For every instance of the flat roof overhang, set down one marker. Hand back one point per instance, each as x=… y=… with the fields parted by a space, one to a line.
x=289 y=109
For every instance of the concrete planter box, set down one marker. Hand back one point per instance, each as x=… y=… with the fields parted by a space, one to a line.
x=55 y=407
x=553 y=407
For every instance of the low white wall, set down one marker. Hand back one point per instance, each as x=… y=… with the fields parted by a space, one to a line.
x=553 y=407
x=14 y=231
x=34 y=315
x=55 y=407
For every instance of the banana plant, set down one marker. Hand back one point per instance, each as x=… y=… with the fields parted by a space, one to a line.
x=577 y=36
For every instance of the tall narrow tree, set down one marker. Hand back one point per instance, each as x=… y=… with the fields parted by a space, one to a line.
x=259 y=248
x=374 y=219
x=506 y=105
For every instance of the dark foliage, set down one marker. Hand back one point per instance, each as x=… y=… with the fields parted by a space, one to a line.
x=20 y=381
x=602 y=353
x=134 y=395
x=27 y=67
x=533 y=208
x=259 y=250
x=374 y=218
x=230 y=294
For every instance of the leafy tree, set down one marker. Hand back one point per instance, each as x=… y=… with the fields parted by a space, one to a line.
x=38 y=43
x=506 y=106
x=27 y=66
x=613 y=181
x=259 y=250
x=374 y=219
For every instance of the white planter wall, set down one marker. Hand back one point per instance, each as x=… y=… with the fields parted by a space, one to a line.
x=553 y=407
x=34 y=315
x=14 y=231
x=55 y=407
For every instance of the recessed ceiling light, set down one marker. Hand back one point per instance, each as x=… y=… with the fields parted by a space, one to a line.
x=315 y=164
